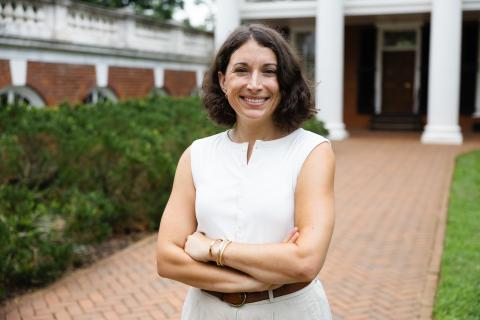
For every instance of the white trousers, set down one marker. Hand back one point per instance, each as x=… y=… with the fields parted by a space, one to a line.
x=309 y=303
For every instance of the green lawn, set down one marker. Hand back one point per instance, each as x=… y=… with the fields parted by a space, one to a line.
x=458 y=295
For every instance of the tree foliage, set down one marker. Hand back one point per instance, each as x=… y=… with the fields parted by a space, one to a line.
x=161 y=9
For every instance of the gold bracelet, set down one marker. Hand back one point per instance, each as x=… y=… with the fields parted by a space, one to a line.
x=217 y=259
x=211 y=246
x=222 y=251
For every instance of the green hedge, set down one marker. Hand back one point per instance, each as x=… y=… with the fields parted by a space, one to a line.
x=75 y=175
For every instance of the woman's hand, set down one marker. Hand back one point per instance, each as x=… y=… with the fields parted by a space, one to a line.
x=197 y=246
x=292 y=236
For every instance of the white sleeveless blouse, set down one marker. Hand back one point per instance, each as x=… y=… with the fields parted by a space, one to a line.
x=254 y=202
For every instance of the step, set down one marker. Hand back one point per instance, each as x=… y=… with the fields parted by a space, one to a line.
x=396 y=122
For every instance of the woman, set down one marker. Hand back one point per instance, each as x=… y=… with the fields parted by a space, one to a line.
x=251 y=212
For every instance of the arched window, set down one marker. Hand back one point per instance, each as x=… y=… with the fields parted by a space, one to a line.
x=20 y=95
x=100 y=94
x=196 y=92
x=159 y=92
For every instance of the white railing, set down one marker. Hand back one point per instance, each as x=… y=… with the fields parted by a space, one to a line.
x=79 y=24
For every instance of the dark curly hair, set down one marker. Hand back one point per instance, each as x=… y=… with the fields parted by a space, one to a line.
x=296 y=103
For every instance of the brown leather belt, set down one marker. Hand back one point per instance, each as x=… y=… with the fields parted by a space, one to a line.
x=238 y=299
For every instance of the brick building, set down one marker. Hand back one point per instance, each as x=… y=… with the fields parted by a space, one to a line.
x=55 y=51
x=392 y=64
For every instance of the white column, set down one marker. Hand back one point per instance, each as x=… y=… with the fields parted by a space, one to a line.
x=329 y=33
x=101 y=73
x=227 y=19
x=199 y=73
x=18 y=71
x=444 y=75
x=159 y=77
x=476 y=114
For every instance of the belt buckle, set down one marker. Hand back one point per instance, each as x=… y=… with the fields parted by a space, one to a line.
x=244 y=299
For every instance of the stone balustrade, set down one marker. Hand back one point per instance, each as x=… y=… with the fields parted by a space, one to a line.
x=67 y=22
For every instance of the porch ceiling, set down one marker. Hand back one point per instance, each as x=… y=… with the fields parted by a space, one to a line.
x=307 y=8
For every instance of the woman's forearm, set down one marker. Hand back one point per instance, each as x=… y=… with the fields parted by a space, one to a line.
x=289 y=262
x=272 y=263
x=293 y=260
x=174 y=263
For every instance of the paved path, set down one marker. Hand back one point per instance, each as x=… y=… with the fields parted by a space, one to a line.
x=383 y=263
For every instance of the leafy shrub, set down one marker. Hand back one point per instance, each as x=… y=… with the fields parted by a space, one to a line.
x=32 y=247
x=74 y=175
x=315 y=126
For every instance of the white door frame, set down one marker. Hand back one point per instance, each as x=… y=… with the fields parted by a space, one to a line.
x=382 y=28
x=296 y=29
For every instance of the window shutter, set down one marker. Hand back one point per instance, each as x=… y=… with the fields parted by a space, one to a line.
x=366 y=70
x=425 y=54
x=469 y=67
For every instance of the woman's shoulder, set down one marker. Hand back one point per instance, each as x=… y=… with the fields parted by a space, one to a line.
x=210 y=139
x=208 y=144
x=309 y=136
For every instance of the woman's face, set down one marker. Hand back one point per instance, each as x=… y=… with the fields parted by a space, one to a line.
x=250 y=82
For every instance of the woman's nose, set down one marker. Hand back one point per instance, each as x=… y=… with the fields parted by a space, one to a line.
x=254 y=82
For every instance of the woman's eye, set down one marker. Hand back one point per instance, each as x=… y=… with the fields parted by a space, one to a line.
x=270 y=71
x=240 y=70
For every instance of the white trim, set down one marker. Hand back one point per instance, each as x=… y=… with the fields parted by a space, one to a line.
x=35 y=99
x=277 y=9
x=18 y=72
x=471 y=5
x=307 y=9
x=381 y=7
x=381 y=29
x=79 y=58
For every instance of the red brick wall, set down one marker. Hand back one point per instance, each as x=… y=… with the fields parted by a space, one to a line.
x=350 y=114
x=180 y=83
x=56 y=82
x=130 y=82
x=5 y=78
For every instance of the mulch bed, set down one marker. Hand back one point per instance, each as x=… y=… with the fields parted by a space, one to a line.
x=92 y=253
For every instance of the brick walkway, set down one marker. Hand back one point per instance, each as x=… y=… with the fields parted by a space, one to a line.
x=383 y=263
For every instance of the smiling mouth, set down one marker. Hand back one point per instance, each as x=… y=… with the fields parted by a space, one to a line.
x=255 y=101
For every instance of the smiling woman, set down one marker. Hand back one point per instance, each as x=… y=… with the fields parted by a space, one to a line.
x=251 y=213
x=276 y=65
x=250 y=82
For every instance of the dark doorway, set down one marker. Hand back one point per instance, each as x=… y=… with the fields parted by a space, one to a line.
x=398 y=82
